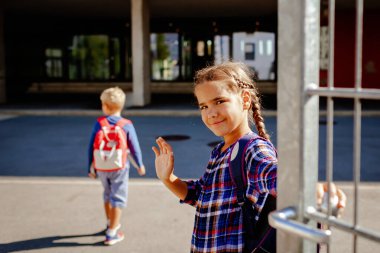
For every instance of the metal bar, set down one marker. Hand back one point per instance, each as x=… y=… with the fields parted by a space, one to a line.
x=330 y=109
x=281 y=219
x=344 y=92
x=331 y=31
x=329 y=150
x=359 y=44
x=356 y=163
x=357 y=113
x=312 y=213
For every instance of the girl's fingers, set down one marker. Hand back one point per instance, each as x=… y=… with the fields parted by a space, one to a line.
x=156 y=151
x=333 y=190
x=342 y=199
x=320 y=192
x=161 y=143
x=168 y=148
x=164 y=147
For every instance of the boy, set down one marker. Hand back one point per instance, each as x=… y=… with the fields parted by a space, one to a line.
x=114 y=180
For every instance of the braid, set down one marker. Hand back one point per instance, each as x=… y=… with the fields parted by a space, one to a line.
x=259 y=120
x=256 y=106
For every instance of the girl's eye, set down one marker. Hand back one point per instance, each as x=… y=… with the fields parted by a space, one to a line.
x=202 y=107
x=219 y=102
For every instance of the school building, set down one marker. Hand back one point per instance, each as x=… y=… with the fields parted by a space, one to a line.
x=155 y=46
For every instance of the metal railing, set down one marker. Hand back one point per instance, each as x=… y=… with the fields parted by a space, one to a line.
x=296 y=219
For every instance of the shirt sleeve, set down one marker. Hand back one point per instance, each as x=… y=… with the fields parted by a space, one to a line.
x=261 y=159
x=133 y=144
x=194 y=188
x=95 y=129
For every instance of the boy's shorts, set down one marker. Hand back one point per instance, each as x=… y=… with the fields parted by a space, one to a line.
x=115 y=186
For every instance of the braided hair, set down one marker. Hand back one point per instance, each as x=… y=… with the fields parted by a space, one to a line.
x=238 y=77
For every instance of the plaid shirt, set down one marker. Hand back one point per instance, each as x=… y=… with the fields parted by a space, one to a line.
x=218 y=225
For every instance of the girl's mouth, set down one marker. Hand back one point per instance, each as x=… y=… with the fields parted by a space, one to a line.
x=216 y=123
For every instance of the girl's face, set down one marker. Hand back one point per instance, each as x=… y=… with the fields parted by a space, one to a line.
x=223 y=111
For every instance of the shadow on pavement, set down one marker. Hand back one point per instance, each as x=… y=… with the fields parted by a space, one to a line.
x=50 y=242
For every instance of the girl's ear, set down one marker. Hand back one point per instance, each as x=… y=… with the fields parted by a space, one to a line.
x=247 y=100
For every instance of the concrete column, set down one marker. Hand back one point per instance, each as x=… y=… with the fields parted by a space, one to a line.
x=3 y=96
x=140 y=54
x=297 y=114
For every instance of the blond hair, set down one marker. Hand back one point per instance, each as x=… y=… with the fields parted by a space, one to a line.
x=237 y=77
x=114 y=98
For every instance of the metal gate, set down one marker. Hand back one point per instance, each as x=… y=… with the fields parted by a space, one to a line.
x=298 y=119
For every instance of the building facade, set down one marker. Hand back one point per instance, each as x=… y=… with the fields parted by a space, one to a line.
x=154 y=46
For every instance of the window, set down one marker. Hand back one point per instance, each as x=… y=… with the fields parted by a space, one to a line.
x=261 y=47
x=221 y=48
x=249 y=51
x=90 y=58
x=53 y=63
x=269 y=47
x=200 y=48
x=165 y=56
x=186 y=59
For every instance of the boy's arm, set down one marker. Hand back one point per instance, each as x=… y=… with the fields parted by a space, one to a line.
x=134 y=147
x=90 y=168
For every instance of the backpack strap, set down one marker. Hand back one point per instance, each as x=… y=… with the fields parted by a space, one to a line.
x=259 y=234
x=236 y=165
x=103 y=121
x=122 y=122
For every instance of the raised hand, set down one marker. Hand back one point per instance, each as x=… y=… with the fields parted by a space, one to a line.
x=164 y=159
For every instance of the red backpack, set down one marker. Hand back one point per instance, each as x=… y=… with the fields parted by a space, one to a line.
x=110 y=145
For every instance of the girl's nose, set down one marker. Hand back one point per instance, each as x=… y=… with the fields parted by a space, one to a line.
x=211 y=113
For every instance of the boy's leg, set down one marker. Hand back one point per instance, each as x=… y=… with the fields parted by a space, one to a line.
x=113 y=235
x=104 y=178
x=107 y=209
x=118 y=200
x=114 y=216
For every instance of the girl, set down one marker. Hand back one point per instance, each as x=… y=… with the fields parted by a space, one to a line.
x=228 y=101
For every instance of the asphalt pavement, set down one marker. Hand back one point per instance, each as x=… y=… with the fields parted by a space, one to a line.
x=49 y=204
x=57 y=145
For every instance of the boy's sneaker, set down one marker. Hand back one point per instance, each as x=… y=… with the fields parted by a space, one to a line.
x=117 y=228
x=111 y=240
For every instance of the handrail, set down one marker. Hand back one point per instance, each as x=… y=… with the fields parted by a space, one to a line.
x=282 y=219
x=313 y=214
x=361 y=93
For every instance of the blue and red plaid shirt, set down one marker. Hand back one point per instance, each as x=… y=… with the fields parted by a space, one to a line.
x=218 y=225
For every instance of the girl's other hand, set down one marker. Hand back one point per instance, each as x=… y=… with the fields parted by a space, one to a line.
x=338 y=198
x=164 y=159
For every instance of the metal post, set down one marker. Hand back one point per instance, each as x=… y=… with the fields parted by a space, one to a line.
x=298 y=67
x=357 y=112
x=2 y=59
